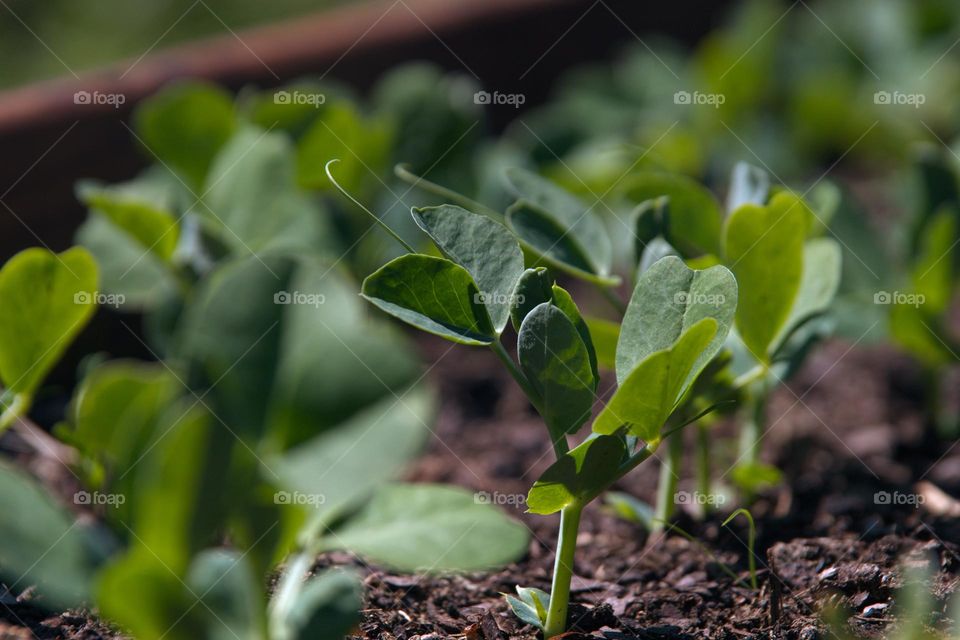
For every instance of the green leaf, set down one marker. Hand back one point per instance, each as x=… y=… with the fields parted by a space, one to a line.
x=338 y=467
x=912 y=329
x=570 y=214
x=555 y=360
x=229 y=595
x=753 y=477
x=934 y=272
x=580 y=474
x=764 y=248
x=533 y=287
x=668 y=299
x=412 y=527
x=530 y=605
x=631 y=509
x=326 y=607
x=821 y=279
x=748 y=185
x=251 y=199
x=484 y=247
x=152 y=227
x=42 y=545
x=647 y=397
x=49 y=298
x=185 y=126
x=432 y=294
x=605 y=335
x=695 y=216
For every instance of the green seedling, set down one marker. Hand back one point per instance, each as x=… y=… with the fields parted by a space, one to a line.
x=480 y=285
x=265 y=426
x=751 y=541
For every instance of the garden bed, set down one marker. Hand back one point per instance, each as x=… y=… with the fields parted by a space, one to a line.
x=821 y=535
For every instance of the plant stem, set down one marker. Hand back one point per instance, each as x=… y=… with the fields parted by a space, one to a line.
x=403 y=172
x=563 y=570
x=612 y=298
x=667 y=485
x=560 y=445
x=380 y=222
x=703 y=466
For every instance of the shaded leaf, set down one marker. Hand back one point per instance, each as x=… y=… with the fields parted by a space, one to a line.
x=578 y=475
x=821 y=278
x=533 y=288
x=229 y=595
x=695 y=217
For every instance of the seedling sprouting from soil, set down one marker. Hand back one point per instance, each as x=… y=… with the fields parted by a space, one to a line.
x=676 y=321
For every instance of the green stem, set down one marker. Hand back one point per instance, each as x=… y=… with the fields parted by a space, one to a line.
x=612 y=298
x=667 y=485
x=560 y=444
x=703 y=466
x=380 y=222
x=17 y=407
x=403 y=172
x=563 y=570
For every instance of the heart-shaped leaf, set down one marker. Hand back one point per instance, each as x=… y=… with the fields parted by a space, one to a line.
x=764 y=248
x=414 y=527
x=484 y=247
x=668 y=299
x=48 y=299
x=578 y=475
x=570 y=214
x=432 y=294
x=556 y=361
x=647 y=397
x=695 y=217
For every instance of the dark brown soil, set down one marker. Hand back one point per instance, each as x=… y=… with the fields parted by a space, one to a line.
x=849 y=426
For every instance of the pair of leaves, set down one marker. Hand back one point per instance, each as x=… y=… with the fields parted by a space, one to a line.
x=784 y=280
x=465 y=296
x=559 y=228
x=49 y=299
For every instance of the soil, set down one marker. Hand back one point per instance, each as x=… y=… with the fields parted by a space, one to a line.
x=847 y=431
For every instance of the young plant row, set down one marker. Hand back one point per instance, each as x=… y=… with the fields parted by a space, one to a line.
x=494 y=270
